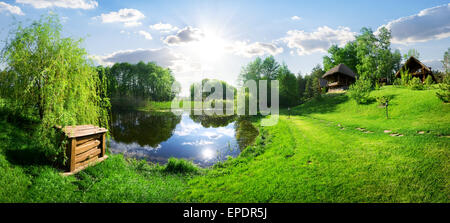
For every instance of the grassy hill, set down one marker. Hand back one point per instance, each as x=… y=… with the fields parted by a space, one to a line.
x=333 y=150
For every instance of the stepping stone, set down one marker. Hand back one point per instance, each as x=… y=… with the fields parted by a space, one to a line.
x=420 y=132
x=361 y=129
x=342 y=128
x=393 y=134
x=400 y=135
x=339 y=125
x=387 y=131
x=368 y=132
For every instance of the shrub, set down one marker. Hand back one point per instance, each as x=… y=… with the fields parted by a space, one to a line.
x=383 y=99
x=360 y=90
x=416 y=84
x=443 y=92
x=429 y=81
x=406 y=77
x=397 y=82
x=180 y=166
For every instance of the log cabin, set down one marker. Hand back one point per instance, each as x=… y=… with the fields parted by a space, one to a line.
x=339 y=78
x=416 y=69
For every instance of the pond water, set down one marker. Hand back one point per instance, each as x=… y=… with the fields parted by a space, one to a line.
x=157 y=136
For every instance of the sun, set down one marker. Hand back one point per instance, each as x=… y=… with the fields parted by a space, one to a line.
x=210 y=48
x=208 y=154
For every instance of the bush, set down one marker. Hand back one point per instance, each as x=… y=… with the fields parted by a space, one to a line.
x=443 y=92
x=397 y=82
x=360 y=90
x=429 y=81
x=383 y=99
x=416 y=84
x=406 y=77
x=180 y=166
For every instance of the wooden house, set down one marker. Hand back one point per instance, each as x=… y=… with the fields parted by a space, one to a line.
x=416 y=69
x=339 y=78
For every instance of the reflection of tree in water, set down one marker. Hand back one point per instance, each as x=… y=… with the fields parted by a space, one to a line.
x=245 y=133
x=144 y=128
x=212 y=120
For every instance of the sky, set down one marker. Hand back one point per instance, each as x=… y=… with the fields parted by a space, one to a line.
x=215 y=39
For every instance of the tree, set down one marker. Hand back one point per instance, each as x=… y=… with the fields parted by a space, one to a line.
x=301 y=85
x=411 y=53
x=369 y=55
x=269 y=69
x=346 y=55
x=140 y=81
x=446 y=61
x=360 y=90
x=52 y=77
x=288 y=87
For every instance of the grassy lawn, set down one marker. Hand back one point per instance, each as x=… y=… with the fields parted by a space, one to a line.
x=309 y=158
x=315 y=155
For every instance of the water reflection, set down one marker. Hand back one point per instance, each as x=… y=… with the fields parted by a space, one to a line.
x=157 y=136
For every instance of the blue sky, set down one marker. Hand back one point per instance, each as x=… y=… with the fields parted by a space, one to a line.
x=214 y=39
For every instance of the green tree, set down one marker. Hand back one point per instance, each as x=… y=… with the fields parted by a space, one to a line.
x=360 y=90
x=411 y=53
x=301 y=85
x=140 y=81
x=446 y=61
x=288 y=87
x=346 y=55
x=52 y=77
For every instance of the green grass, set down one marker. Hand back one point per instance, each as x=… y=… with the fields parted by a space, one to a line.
x=167 y=105
x=315 y=155
x=23 y=178
x=309 y=158
x=156 y=106
x=409 y=111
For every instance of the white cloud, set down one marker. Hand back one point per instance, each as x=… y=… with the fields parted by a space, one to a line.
x=145 y=34
x=164 y=27
x=73 y=4
x=187 y=128
x=318 y=41
x=434 y=64
x=198 y=143
x=428 y=24
x=295 y=18
x=129 y=17
x=10 y=8
x=188 y=34
x=246 y=49
x=163 y=57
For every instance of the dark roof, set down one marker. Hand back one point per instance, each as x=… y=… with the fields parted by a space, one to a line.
x=341 y=68
x=413 y=64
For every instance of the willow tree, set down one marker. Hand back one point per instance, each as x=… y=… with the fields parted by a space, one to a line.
x=53 y=77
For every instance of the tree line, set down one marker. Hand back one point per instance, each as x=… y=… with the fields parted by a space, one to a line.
x=146 y=81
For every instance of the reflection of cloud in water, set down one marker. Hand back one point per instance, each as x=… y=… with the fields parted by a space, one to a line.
x=198 y=143
x=211 y=135
x=186 y=128
x=132 y=149
x=226 y=131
